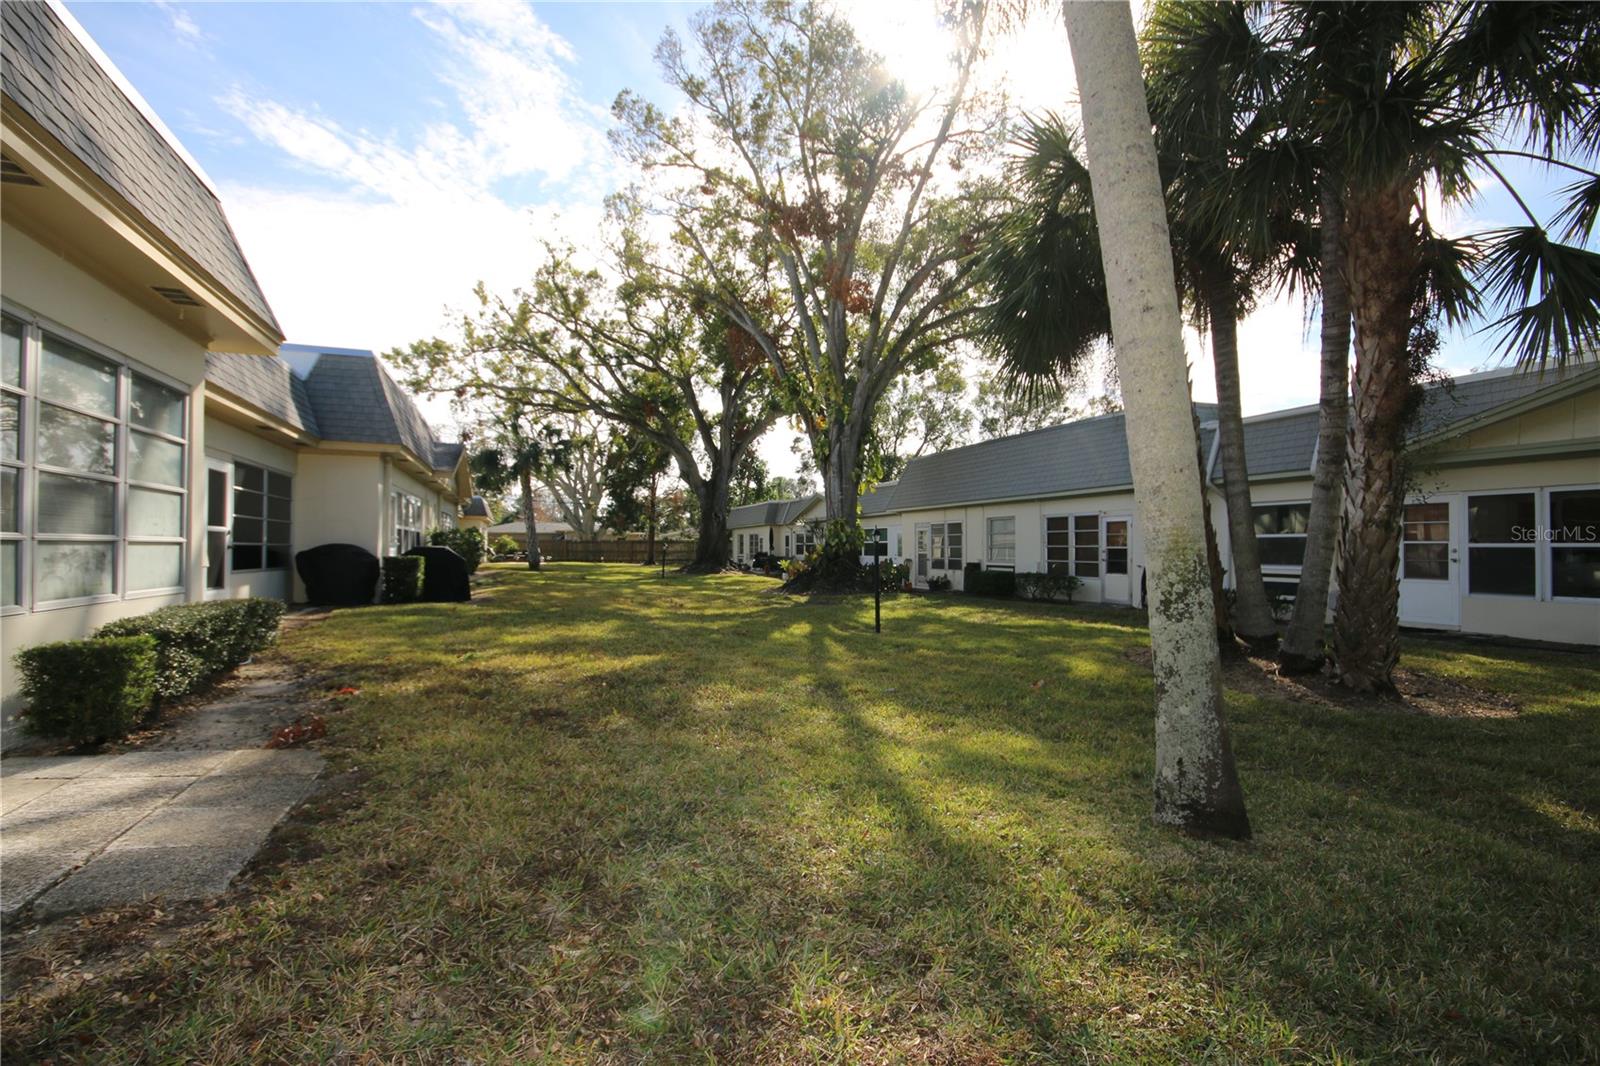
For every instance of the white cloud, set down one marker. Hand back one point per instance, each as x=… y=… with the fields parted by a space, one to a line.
x=183 y=24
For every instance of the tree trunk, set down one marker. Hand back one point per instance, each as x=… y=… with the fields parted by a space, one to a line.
x=1252 y=615
x=1196 y=785
x=1302 y=645
x=1381 y=267
x=530 y=524
x=650 y=526
x=841 y=473
x=712 y=552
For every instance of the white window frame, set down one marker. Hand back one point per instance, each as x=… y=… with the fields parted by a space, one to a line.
x=1540 y=515
x=939 y=555
x=991 y=561
x=1281 y=572
x=236 y=486
x=1547 y=520
x=402 y=506
x=1072 y=562
x=871 y=535
x=805 y=539
x=35 y=326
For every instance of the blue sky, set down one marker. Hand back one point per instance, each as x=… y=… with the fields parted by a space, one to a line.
x=377 y=160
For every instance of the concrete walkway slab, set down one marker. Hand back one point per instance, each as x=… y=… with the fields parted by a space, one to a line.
x=64 y=766
x=243 y=791
x=16 y=791
x=262 y=762
x=211 y=827
x=134 y=875
x=100 y=792
x=162 y=763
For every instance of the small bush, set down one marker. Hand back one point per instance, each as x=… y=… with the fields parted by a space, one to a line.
x=504 y=545
x=88 y=690
x=939 y=583
x=892 y=576
x=1050 y=587
x=197 y=641
x=402 y=579
x=982 y=582
x=467 y=543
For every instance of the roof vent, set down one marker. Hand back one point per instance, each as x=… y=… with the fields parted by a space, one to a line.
x=177 y=296
x=12 y=174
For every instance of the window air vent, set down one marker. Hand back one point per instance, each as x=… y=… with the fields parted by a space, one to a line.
x=177 y=296
x=12 y=174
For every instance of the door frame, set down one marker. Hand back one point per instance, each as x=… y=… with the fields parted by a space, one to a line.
x=1105 y=551
x=225 y=467
x=922 y=545
x=1456 y=516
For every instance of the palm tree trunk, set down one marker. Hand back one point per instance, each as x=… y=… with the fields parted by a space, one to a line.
x=1302 y=652
x=1381 y=265
x=530 y=523
x=1252 y=615
x=1226 y=643
x=1196 y=786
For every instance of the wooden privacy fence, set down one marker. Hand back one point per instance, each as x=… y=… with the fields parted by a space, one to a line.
x=614 y=551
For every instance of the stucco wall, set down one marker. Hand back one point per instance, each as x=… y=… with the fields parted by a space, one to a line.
x=34 y=279
x=338 y=499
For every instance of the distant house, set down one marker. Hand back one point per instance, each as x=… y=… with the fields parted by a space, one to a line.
x=141 y=466
x=1501 y=531
x=785 y=528
x=316 y=446
x=517 y=530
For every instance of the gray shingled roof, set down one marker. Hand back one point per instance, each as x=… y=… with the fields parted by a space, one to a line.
x=1076 y=457
x=1287 y=443
x=475 y=507
x=51 y=76
x=266 y=383
x=771 y=512
x=880 y=500
x=344 y=397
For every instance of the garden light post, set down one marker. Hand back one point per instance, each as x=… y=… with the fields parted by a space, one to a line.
x=877 y=586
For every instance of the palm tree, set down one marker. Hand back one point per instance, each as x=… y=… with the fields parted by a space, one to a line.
x=1196 y=788
x=519 y=453
x=1401 y=99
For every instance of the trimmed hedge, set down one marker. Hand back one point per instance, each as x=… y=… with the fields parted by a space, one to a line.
x=88 y=690
x=196 y=641
x=990 y=582
x=402 y=579
x=467 y=543
x=1050 y=587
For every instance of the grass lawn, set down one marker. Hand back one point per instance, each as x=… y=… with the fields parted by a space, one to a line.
x=607 y=816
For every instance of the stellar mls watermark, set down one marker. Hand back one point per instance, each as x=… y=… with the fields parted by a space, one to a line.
x=1578 y=534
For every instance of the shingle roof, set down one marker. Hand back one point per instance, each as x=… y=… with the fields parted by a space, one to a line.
x=771 y=512
x=1059 y=460
x=343 y=396
x=50 y=75
x=1092 y=454
x=475 y=507
x=880 y=500
x=266 y=383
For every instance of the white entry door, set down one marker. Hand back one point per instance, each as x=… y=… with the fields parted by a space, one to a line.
x=219 y=521
x=1430 y=562
x=921 y=575
x=1115 y=585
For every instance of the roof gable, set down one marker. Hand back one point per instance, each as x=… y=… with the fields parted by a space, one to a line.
x=53 y=77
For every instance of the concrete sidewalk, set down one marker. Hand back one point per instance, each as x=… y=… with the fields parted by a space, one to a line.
x=85 y=832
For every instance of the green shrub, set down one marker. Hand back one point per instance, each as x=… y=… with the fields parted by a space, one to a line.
x=197 y=641
x=1051 y=587
x=504 y=545
x=402 y=579
x=982 y=582
x=88 y=690
x=467 y=543
x=939 y=583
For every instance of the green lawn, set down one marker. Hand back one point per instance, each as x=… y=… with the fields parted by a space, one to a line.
x=605 y=816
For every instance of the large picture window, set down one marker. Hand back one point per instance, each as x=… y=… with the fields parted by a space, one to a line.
x=946 y=551
x=1502 y=545
x=1003 y=541
x=1575 y=543
x=1281 y=533
x=262 y=537
x=93 y=473
x=406 y=518
x=1072 y=545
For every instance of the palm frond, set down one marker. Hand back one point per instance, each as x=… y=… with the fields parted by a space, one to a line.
x=1577 y=217
x=1552 y=291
